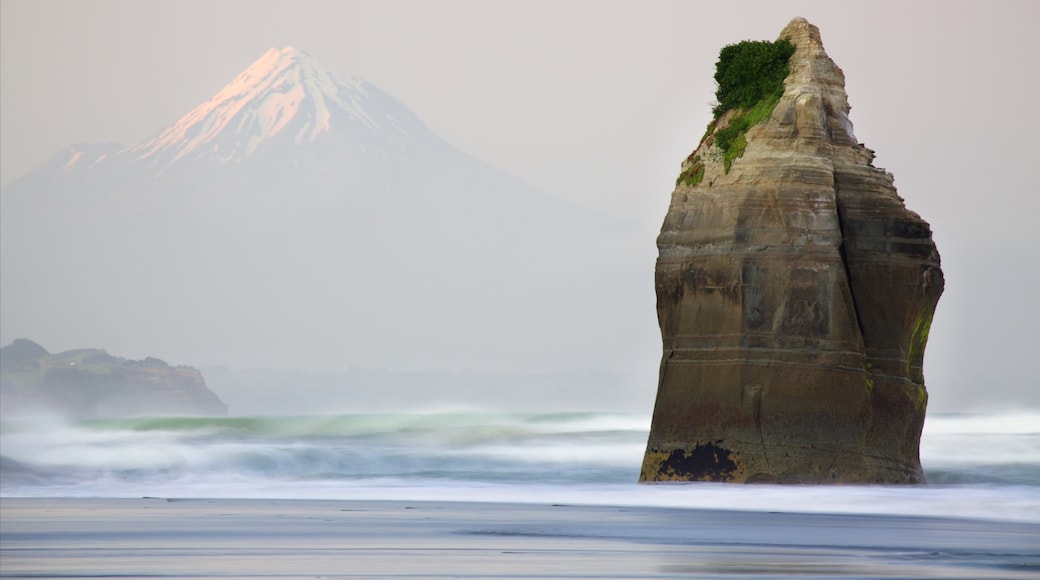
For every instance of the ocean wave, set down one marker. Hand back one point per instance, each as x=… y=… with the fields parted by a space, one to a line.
x=986 y=466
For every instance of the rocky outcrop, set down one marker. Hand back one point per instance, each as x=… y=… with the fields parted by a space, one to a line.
x=90 y=383
x=795 y=292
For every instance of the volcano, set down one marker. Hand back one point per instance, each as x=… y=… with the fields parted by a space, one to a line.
x=300 y=219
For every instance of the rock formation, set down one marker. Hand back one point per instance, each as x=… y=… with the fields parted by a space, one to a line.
x=794 y=294
x=90 y=383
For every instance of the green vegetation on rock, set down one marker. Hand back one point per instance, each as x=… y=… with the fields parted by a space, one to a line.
x=922 y=398
x=693 y=174
x=749 y=72
x=731 y=139
x=918 y=341
x=750 y=77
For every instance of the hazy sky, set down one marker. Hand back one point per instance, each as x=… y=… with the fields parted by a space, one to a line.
x=598 y=102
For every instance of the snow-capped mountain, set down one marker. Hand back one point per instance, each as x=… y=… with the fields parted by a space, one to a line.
x=285 y=94
x=299 y=218
x=285 y=108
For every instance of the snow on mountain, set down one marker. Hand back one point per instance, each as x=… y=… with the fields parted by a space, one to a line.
x=285 y=90
x=284 y=93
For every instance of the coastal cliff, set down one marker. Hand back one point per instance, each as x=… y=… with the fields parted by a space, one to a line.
x=90 y=383
x=794 y=292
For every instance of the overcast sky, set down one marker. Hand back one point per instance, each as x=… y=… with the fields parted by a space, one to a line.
x=598 y=102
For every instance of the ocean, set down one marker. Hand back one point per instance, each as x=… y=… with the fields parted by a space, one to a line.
x=976 y=465
x=983 y=473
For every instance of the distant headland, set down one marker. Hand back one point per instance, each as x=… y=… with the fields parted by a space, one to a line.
x=90 y=383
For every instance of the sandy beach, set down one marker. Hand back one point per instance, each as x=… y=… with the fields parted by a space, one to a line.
x=200 y=538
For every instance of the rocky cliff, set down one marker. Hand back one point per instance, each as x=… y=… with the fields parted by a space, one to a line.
x=795 y=292
x=89 y=383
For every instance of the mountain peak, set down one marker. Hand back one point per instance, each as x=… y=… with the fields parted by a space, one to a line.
x=275 y=62
x=284 y=92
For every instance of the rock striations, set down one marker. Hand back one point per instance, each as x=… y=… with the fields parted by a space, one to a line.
x=794 y=293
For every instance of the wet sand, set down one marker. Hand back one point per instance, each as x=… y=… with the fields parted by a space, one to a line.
x=200 y=538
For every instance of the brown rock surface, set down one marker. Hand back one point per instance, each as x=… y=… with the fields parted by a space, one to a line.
x=794 y=295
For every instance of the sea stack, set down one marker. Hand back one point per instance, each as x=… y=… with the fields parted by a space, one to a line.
x=794 y=293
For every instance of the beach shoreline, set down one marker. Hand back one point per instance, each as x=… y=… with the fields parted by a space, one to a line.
x=290 y=538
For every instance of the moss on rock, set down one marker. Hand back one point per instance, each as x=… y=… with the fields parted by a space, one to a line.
x=750 y=76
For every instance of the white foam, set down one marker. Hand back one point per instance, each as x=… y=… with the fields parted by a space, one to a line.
x=589 y=458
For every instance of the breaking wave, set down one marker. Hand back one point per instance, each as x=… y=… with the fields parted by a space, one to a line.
x=977 y=466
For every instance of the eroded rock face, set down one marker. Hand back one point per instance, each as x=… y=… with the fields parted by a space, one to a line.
x=794 y=295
